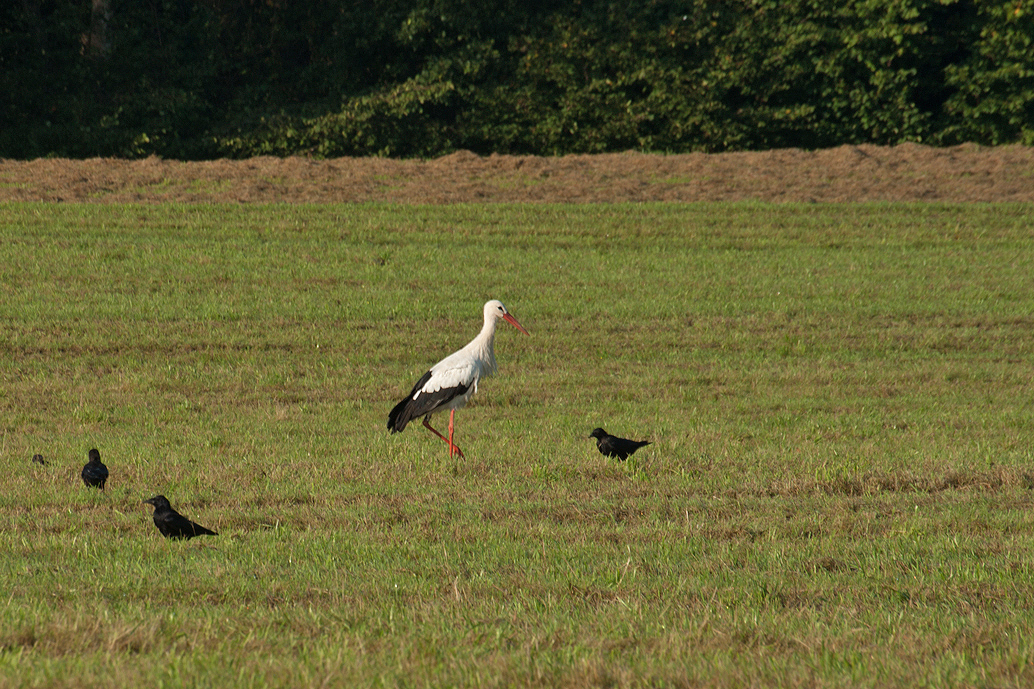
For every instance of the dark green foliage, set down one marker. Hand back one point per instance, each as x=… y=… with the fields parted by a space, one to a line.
x=992 y=100
x=207 y=78
x=150 y=89
x=44 y=82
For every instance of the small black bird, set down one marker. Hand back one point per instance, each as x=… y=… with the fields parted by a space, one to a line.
x=38 y=459
x=95 y=473
x=171 y=523
x=612 y=446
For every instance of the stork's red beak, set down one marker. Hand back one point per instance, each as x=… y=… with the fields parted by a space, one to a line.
x=513 y=321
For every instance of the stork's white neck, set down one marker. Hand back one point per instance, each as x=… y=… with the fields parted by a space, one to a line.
x=482 y=348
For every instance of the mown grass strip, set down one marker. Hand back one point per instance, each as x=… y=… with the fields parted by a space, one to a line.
x=838 y=490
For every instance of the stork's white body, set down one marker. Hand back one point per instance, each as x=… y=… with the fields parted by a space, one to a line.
x=464 y=368
x=450 y=383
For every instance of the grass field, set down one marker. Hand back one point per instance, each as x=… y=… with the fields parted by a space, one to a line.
x=839 y=490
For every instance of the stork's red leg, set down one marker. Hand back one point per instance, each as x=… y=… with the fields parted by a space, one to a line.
x=428 y=427
x=452 y=448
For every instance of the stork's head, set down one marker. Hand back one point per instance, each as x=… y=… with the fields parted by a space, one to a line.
x=494 y=310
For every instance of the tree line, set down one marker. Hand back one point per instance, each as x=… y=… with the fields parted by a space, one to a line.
x=197 y=79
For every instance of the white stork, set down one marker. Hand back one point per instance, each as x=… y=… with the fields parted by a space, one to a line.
x=451 y=382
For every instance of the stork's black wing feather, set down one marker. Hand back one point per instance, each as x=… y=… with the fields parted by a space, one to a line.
x=409 y=408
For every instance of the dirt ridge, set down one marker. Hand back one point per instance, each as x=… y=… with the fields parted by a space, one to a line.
x=909 y=172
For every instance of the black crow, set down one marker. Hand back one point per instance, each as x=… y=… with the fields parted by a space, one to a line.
x=612 y=446
x=38 y=459
x=171 y=523
x=95 y=473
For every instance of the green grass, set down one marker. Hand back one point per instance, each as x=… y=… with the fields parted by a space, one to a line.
x=839 y=490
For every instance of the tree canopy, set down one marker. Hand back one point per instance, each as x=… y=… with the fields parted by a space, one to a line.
x=197 y=79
